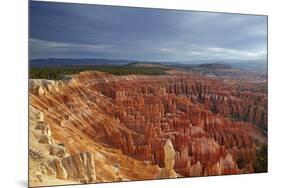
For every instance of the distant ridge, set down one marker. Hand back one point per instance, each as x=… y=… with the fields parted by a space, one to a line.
x=252 y=65
x=216 y=66
x=147 y=64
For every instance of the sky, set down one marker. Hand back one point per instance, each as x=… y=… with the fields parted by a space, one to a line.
x=63 y=30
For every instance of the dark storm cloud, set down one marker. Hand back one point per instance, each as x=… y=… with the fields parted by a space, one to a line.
x=77 y=31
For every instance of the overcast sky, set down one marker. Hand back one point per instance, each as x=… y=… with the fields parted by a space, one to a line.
x=60 y=30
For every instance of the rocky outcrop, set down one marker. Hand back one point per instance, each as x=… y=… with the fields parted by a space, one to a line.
x=61 y=165
x=45 y=136
x=169 y=152
x=228 y=165
x=196 y=169
x=58 y=163
x=79 y=167
x=58 y=150
x=59 y=170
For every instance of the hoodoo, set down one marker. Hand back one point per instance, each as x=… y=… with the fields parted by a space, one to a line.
x=169 y=159
x=114 y=123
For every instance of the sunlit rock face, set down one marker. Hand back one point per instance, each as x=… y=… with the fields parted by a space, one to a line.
x=209 y=122
x=169 y=159
x=55 y=163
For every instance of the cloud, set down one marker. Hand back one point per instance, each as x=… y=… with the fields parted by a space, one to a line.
x=62 y=45
x=195 y=53
x=167 y=50
x=241 y=54
x=45 y=49
x=75 y=30
x=225 y=53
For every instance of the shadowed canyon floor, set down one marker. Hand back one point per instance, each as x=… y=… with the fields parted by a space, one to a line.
x=97 y=127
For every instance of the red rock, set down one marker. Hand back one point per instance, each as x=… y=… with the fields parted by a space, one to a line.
x=136 y=114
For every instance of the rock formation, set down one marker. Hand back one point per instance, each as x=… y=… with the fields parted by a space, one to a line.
x=59 y=170
x=79 y=167
x=211 y=124
x=51 y=163
x=169 y=154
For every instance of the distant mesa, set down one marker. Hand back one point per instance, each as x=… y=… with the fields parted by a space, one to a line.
x=215 y=66
x=148 y=64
